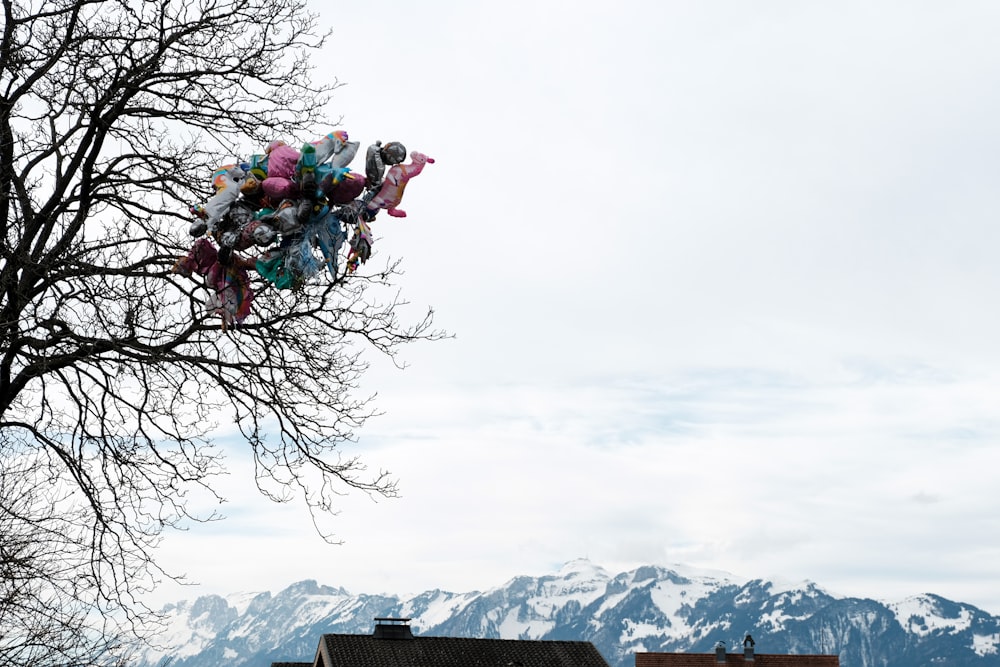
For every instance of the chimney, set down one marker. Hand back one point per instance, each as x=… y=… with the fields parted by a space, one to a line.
x=720 y=653
x=392 y=628
x=748 y=648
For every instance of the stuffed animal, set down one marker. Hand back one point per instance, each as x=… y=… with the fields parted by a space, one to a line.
x=391 y=192
x=361 y=246
x=336 y=149
x=227 y=182
x=229 y=280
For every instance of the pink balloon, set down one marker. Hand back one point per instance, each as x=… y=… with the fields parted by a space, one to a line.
x=344 y=190
x=278 y=188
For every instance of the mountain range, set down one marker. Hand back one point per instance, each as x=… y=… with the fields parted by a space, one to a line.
x=651 y=608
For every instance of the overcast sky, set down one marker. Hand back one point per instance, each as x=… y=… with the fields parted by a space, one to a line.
x=724 y=284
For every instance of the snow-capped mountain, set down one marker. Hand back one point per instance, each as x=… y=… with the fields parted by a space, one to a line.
x=651 y=608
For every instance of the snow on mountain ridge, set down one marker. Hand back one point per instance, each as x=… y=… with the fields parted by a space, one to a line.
x=650 y=608
x=513 y=625
x=439 y=608
x=581 y=567
x=778 y=585
x=582 y=587
x=178 y=634
x=541 y=598
x=241 y=601
x=923 y=615
x=671 y=596
x=691 y=572
x=786 y=594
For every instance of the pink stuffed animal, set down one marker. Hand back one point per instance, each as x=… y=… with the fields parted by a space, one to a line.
x=231 y=282
x=391 y=192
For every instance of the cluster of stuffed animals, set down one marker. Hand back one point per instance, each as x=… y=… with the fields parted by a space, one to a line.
x=292 y=211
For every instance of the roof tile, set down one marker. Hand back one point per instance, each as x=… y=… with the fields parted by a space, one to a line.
x=369 y=651
x=734 y=659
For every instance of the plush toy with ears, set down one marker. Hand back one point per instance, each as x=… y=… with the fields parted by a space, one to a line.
x=391 y=192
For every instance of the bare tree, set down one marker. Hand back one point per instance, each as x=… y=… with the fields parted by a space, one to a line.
x=49 y=613
x=113 y=114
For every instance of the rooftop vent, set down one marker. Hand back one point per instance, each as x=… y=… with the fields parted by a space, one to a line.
x=392 y=628
x=748 y=648
x=720 y=653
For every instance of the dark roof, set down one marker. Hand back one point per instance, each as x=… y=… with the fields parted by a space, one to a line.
x=369 y=651
x=709 y=660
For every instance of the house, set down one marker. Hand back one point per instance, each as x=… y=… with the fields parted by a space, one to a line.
x=748 y=658
x=393 y=644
